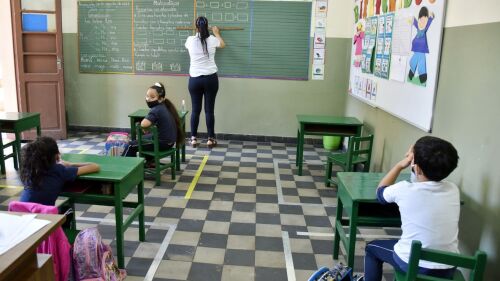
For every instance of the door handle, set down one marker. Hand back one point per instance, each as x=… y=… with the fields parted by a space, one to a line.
x=59 y=63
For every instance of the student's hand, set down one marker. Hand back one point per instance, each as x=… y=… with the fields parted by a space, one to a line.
x=216 y=30
x=403 y=164
x=432 y=15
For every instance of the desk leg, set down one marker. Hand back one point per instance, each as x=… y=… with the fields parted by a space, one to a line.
x=184 y=144
x=297 y=152
x=132 y=128
x=338 y=221
x=353 y=226
x=178 y=158
x=301 y=151
x=119 y=226
x=140 y=200
x=17 y=144
x=38 y=131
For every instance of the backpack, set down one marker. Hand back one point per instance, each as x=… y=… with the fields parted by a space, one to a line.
x=93 y=259
x=339 y=272
x=116 y=143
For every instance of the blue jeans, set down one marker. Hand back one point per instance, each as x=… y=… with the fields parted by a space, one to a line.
x=199 y=87
x=380 y=251
x=418 y=61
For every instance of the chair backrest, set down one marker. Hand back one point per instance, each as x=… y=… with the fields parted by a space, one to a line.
x=475 y=263
x=154 y=131
x=359 y=147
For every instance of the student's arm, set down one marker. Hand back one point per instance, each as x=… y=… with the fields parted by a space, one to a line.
x=393 y=174
x=145 y=123
x=87 y=168
x=216 y=32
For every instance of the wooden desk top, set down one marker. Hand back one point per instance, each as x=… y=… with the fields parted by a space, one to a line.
x=113 y=169
x=16 y=256
x=331 y=120
x=362 y=186
x=141 y=113
x=15 y=116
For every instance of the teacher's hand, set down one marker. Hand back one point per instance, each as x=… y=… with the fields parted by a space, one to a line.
x=215 y=30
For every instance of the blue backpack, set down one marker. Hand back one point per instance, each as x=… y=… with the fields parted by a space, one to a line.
x=339 y=272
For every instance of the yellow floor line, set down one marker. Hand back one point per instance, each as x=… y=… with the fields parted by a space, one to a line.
x=10 y=186
x=85 y=150
x=196 y=177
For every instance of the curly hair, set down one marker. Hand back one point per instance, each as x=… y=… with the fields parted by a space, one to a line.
x=36 y=159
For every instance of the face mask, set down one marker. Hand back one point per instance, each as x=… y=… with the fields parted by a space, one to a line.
x=152 y=104
x=413 y=176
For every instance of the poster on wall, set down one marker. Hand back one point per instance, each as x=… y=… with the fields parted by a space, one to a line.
x=395 y=55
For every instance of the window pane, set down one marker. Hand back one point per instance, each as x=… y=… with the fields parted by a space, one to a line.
x=38 y=5
x=39 y=22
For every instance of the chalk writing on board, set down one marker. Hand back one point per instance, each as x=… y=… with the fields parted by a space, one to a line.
x=105 y=44
x=157 y=44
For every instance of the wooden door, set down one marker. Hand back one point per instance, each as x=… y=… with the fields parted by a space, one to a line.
x=37 y=32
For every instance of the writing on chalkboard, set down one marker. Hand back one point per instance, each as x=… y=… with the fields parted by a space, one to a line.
x=142 y=36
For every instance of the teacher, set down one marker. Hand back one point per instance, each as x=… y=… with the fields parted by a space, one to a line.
x=203 y=80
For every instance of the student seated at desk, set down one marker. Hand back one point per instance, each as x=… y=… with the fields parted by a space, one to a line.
x=164 y=116
x=429 y=207
x=44 y=174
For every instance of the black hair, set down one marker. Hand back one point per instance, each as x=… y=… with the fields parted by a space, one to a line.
x=36 y=159
x=160 y=89
x=424 y=12
x=202 y=26
x=436 y=157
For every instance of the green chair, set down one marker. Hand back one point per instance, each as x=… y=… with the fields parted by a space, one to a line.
x=359 y=151
x=475 y=263
x=3 y=157
x=156 y=153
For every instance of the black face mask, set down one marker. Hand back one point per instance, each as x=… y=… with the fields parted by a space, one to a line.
x=152 y=104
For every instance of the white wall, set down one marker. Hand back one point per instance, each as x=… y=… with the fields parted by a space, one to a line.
x=7 y=58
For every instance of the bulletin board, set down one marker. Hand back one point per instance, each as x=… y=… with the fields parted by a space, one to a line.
x=395 y=56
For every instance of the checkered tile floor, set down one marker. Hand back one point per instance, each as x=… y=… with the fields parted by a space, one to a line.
x=250 y=216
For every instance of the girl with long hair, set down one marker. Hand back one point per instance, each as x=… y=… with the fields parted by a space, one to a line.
x=164 y=116
x=44 y=173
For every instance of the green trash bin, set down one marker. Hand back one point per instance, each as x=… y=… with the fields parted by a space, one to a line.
x=331 y=142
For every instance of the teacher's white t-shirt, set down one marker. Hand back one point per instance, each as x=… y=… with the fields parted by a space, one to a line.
x=201 y=63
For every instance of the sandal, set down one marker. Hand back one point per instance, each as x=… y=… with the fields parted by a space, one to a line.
x=211 y=143
x=193 y=142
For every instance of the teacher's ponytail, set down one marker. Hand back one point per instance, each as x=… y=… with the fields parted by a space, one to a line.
x=202 y=26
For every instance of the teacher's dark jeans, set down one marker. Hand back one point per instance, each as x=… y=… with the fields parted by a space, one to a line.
x=199 y=87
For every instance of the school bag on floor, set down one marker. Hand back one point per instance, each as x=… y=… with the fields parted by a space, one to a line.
x=116 y=143
x=339 y=272
x=93 y=260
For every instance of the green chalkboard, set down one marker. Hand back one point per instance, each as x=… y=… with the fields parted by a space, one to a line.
x=105 y=36
x=274 y=42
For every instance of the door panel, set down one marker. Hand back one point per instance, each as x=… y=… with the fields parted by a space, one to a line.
x=43 y=97
x=39 y=67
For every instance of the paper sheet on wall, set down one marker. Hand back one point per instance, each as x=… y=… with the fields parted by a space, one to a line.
x=401 y=46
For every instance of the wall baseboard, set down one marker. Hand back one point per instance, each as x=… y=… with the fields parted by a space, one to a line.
x=221 y=136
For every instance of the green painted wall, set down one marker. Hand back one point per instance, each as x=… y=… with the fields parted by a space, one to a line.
x=467 y=114
x=243 y=106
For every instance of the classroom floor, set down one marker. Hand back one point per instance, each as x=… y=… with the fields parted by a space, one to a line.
x=250 y=216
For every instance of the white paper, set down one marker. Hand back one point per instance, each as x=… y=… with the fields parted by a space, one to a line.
x=401 y=47
x=14 y=229
x=319 y=56
x=319 y=39
x=318 y=72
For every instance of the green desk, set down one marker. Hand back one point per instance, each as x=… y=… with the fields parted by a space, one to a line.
x=358 y=200
x=124 y=173
x=138 y=115
x=323 y=126
x=16 y=123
